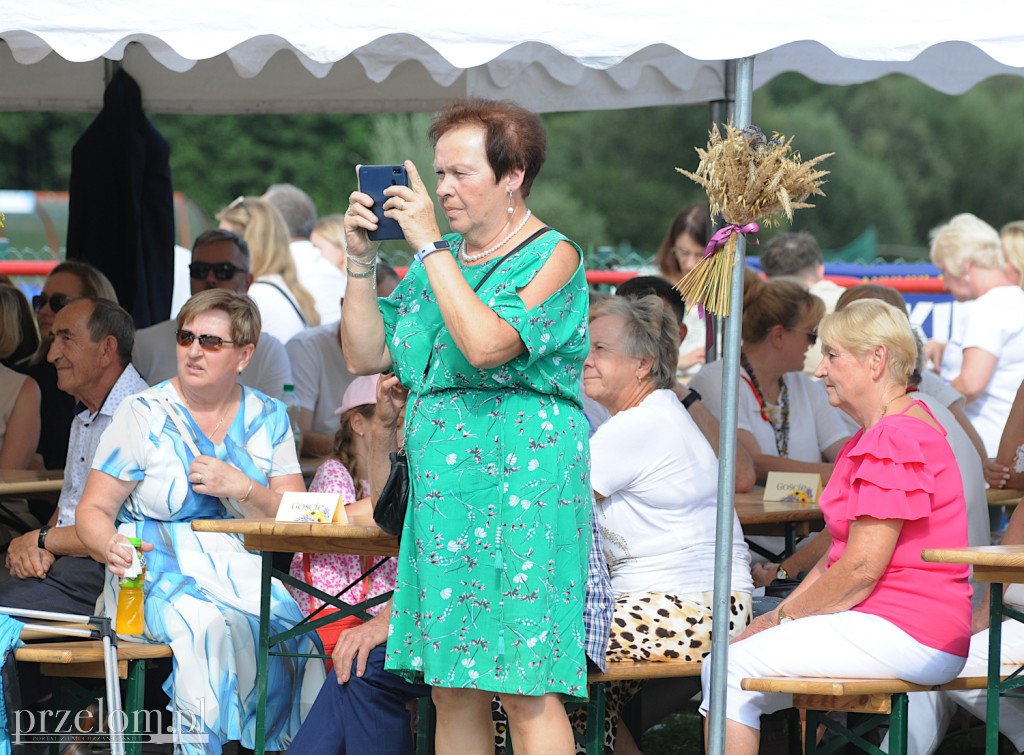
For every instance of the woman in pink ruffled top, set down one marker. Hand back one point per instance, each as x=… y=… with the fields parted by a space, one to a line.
x=332 y=572
x=871 y=607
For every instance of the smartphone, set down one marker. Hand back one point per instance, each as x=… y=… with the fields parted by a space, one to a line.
x=373 y=179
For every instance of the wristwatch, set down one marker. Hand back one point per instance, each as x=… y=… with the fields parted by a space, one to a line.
x=41 y=542
x=433 y=246
x=691 y=397
x=781 y=573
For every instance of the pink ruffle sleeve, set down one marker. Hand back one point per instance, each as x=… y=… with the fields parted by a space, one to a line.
x=891 y=478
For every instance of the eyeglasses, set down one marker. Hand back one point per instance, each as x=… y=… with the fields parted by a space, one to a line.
x=206 y=341
x=240 y=202
x=57 y=302
x=679 y=251
x=812 y=335
x=222 y=271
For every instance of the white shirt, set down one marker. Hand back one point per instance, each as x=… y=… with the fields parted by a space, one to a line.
x=659 y=479
x=321 y=374
x=279 y=310
x=155 y=357
x=321 y=277
x=814 y=424
x=994 y=323
x=85 y=437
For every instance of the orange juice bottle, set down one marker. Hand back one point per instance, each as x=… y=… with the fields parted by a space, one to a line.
x=130 y=613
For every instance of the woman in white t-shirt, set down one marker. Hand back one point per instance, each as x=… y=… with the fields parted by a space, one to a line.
x=655 y=479
x=285 y=305
x=984 y=359
x=783 y=417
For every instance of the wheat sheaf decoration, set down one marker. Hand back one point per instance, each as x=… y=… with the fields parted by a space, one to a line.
x=750 y=180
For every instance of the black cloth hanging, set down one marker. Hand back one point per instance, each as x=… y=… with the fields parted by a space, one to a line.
x=121 y=209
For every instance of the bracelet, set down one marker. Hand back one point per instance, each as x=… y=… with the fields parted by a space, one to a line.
x=248 y=493
x=353 y=274
x=691 y=397
x=371 y=263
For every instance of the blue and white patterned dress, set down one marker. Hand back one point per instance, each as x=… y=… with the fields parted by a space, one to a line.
x=202 y=589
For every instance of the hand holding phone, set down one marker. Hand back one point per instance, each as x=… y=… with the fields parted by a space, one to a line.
x=373 y=179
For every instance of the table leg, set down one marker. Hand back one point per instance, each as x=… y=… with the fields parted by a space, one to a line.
x=995 y=633
x=790 y=539
x=263 y=654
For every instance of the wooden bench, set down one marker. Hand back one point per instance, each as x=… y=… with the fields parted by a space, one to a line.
x=884 y=700
x=84 y=659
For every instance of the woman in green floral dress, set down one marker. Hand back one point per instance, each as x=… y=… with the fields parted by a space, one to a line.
x=488 y=330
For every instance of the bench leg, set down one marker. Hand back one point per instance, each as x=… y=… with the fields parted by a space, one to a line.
x=134 y=701
x=425 y=722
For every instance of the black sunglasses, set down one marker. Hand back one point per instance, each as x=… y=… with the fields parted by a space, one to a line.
x=812 y=335
x=222 y=271
x=57 y=302
x=206 y=341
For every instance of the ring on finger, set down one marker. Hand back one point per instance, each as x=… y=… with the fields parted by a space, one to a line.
x=199 y=479
x=401 y=205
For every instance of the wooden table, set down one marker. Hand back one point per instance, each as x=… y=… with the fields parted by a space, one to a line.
x=753 y=511
x=1003 y=496
x=21 y=482
x=360 y=537
x=998 y=565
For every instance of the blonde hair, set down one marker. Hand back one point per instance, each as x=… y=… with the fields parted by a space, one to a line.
x=266 y=233
x=864 y=325
x=775 y=302
x=95 y=285
x=241 y=310
x=1011 y=236
x=332 y=228
x=966 y=238
x=649 y=331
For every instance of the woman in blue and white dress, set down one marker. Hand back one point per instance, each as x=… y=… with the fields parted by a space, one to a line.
x=200 y=446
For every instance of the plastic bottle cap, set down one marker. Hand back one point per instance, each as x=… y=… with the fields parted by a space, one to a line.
x=288 y=388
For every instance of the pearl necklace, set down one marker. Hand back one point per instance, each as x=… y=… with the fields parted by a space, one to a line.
x=480 y=255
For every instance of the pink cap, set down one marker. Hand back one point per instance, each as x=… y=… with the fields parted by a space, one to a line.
x=362 y=390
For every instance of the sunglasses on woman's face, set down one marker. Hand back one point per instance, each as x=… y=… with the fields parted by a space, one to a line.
x=222 y=271
x=206 y=341
x=56 y=302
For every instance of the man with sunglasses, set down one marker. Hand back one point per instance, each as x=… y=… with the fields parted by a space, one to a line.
x=220 y=259
x=91 y=347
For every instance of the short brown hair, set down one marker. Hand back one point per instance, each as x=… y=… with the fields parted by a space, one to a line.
x=775 y=302
x=242 y=311
x=514 y=137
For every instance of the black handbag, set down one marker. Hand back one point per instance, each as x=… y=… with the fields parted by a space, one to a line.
x=389 y=511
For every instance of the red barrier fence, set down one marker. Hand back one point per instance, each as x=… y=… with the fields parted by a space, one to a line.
x=917 y=285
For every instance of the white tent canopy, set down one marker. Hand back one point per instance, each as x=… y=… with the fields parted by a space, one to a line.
x=406 y=55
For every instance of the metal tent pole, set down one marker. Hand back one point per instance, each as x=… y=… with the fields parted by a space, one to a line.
x=727 y=454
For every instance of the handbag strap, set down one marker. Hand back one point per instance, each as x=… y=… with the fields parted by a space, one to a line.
x=186 y=436
x=533 y=237
x=283 y=293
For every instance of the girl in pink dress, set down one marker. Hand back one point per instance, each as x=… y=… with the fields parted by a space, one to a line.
x=332 y=572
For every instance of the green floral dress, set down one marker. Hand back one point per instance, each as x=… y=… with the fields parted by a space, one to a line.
x=494 y=553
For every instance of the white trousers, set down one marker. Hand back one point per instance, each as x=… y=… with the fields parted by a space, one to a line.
x=846 y=644
x=930 y=712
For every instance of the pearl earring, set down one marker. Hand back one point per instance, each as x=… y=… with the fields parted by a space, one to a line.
x=510 y=208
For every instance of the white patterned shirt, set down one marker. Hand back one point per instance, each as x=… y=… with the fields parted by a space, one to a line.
x=86 y=430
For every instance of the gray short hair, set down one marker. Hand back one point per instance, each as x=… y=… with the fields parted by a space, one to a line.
x=110 y=319
x=295 y=206
x=650 y=331
x=791 y=254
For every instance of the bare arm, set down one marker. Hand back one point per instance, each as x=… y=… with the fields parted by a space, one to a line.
x=765 y=463
x=975 y=373
x=95 y=515
x=745 y=476
x=800 y=562
x=225 y=481
x=1011 y=440
x=23 y=427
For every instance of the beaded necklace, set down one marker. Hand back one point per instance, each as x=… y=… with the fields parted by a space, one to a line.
x=776 y=416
